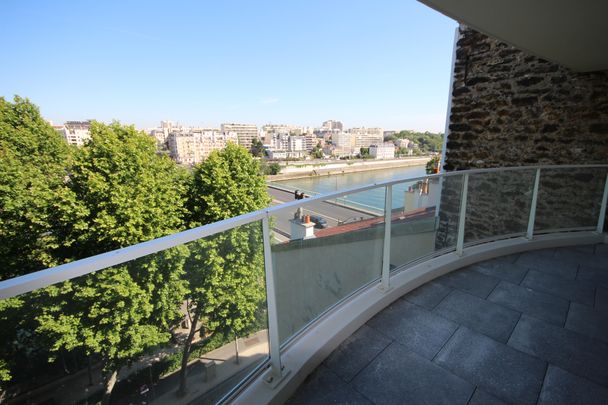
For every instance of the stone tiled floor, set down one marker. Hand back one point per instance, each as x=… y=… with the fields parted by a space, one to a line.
x=521 y=329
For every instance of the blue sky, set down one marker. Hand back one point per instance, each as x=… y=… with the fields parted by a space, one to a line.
x=366 y=63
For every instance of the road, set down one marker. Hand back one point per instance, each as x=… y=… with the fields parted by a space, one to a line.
x=332 y=213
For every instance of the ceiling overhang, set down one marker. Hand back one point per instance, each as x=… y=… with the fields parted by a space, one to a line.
x=571 y=33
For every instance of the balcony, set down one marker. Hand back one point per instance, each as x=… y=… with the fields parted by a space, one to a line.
x=424 y=274
x=522 y=328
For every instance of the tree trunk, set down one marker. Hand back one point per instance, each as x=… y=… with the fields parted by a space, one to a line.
x=236 y=348
x=89 y=370
x=186 y=354
x=110 y=381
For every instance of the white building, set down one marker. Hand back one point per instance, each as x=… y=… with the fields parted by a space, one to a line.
x=331 y=125
x=245 y=133
x=365 y=137
x=404 y=143
x=343 y=140
x=195 y=145
x=76 y=132
x=382 y=151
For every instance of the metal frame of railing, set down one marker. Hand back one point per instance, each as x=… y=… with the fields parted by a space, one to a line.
x=40 y=279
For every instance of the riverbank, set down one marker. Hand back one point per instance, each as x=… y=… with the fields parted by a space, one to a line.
x=298 y=170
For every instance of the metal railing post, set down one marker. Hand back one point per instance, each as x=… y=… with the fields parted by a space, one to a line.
x=276 y=369
x=602 y=216
x=532 y=217
x=463 y=213
x=386 y=249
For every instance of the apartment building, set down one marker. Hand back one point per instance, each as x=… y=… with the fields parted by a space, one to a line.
x=193 y=146
x=343 y=140
x=245 y=133
x=76 y=132
x=364 y=137
x=384 y=150
x=332 y=125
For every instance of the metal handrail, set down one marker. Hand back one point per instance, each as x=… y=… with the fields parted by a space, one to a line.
x=43 y=278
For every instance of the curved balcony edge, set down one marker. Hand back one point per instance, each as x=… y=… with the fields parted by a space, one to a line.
x=305 y=352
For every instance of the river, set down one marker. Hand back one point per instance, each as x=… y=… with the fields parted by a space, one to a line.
x=371 y=199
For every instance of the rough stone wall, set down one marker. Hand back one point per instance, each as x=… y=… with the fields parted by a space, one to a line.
x=510 y=108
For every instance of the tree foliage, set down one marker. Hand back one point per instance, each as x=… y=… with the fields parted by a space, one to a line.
x=226 y=184
x=317 y=151
x=257 y=148
x=426 y=141
x=433 y=165
x=225 y=272
x=125 y=194
x=129 y=193
x=33 y=198
x=60 y=204
x=34 y=203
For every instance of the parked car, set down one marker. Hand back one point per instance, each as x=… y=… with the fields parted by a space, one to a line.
x=320 y=223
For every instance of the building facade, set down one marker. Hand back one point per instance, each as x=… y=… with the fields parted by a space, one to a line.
x=384 y=150
x=193 y=146
x=76 y=132
x=246 y=133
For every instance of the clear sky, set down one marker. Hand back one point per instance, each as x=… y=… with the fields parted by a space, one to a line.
x=366 y=63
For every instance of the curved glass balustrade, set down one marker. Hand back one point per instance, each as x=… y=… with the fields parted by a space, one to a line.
x=266 y=276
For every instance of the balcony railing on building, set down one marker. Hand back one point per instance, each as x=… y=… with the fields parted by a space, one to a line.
x=317 y=253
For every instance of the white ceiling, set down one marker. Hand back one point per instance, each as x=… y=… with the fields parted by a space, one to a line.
x=573 y=33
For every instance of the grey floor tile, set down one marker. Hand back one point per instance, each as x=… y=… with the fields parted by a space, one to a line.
x=563 y=388
x=550 y=265
x=470 y=281
x=356 y=352
x=546 y=253
x=483 y=398
x=505 y=259
x=594 y=275
x=494 y=367
x=601 y=250
x=588 y=321
x=428 y=295
x=535 y=303
x=586 y=249
x=399 y=376
x=324 y=387
x=582 y=255
x=572 y=290
x=480 y=315
x=503 y=270
x=564 y=348
x=601 y=299
x=414 y=327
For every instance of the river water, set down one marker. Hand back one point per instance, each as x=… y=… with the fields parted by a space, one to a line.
x=371 y=199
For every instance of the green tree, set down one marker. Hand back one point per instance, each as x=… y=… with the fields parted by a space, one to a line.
x=224 y=272
x=34 y=202
x=364 y=153
x=228 y=183
x=317 y=151
x=33 y=196
x=426 y=141
x=257 y=148
x=432 y=165
x=129 y=194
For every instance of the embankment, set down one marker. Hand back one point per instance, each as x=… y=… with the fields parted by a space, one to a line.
x=302 y=170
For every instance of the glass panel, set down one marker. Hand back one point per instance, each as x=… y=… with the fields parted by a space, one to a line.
x=424 y=218
x=61 y=343
x=324 y=252
x=498 y=204
x=569 y=198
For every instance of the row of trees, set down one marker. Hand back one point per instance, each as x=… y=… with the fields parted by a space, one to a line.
x=426 y=141
x=59 y=204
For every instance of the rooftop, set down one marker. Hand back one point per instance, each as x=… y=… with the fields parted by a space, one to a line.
x=525 y=328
